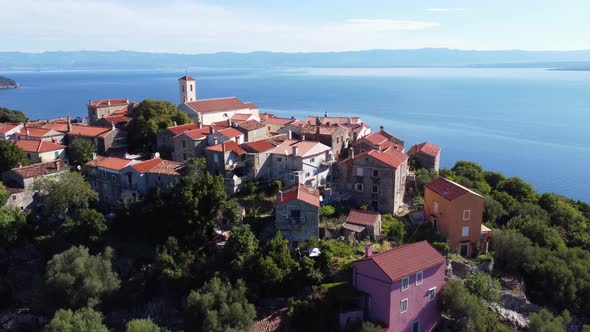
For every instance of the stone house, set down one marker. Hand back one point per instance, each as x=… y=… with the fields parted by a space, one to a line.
x=378 y=142
x=363 y=224
x=260 y=153
x=456 y=212
x=164 y=137
x=41 y=151
x=253 y=130
x=229 y=160
x=190 y=144
x=304 y=162
x=101 y=108
x=224 y=135
x=119 y=119
x=402 y=286
x=332 y=135
x=426 y=154
x=106 y=176
x=106 y=140
x=297 y=213
x=273 y=124
x=374 y=178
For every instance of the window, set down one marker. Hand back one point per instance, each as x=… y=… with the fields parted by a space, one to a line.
x=307 y=174
x=183 y=144
x=466 y=214
x=403 y=305
x=279 y=159
x=416 y=326
x=375 y=173
x=435 y=207
x=191 y=87
x=359 y=187
x=375 y=189
x=184 y=156
x=28 y=156
x=113 y=178
x=359 y=171
x=216 y=158
x=405 y=283
x=312 y=160
x=56 y=154
x=465 y=231
x=419 y=277
x=431 y=294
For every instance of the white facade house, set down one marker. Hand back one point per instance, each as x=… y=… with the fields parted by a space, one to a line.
x=304 y=162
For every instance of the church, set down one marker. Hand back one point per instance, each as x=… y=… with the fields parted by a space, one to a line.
x=210 y=111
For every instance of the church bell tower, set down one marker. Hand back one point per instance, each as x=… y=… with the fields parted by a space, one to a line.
x=187 y=88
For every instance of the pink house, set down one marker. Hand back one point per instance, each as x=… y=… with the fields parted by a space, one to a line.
x=402 y=285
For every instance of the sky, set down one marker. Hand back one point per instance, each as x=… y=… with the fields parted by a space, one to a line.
x=200 y=26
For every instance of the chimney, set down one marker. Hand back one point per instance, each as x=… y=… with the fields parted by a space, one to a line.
x=381 y=129
x=28 y=132
x=289 y=134
x=69 y=124
x=200 y=125
x=215 y=140
x=109 y=102
x=19 y=165
x=325 y=114
x=174 y=124
x=228 y=122
x=57 y=165
x=93 y=155
x=369 y=249
x=211 y=130
x=223 y=149
x=280 y=195
x=294 y=151
x=351 y=153
x=303 y=137
x=127 y=101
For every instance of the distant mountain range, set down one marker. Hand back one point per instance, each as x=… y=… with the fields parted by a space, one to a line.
x=428 y=57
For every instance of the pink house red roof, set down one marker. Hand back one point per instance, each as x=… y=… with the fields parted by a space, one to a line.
x=449 y=189
x=426 y=148
x=217 y=105
x=406 y=260
x=363 y=217
x=38 y=146
x=299 y=192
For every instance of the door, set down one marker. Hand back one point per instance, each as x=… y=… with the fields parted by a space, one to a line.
x=416 y=326
x=464 y=249
x=435 y=224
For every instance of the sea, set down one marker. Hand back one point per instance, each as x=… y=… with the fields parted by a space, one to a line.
x=533 y=123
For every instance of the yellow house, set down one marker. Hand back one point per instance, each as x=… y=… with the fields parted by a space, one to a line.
x=41 y=151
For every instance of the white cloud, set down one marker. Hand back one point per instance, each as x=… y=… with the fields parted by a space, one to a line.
x=385 y=25
x=442 y=10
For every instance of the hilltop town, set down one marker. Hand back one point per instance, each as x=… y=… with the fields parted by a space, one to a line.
x=214 y=215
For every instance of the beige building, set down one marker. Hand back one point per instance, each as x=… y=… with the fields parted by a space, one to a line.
x=101 y=108
x=41 y=151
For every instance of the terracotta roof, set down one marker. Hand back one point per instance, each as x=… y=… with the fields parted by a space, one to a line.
x=359 y=217
x=230 y=132
x=198 y=133
x=240 y=117
x=186 y=78
x=229 y=146
x=250 y=105
x=299 y=192
x=449 y=189
x=38 y=146
x=304 y=148
x=250 y=125
x=112 y=163
x=88 y=131
x=57 y=126
x=158 y=166
x=375 y=138
x=334 y=119
x=426 y=148
x=182 y=128
x=114 y=119
x=40 y=169
x=406 y=260
x=258 y=146
x=324 y=130
x=110 y=102
x=6 y=128
x=38 y=132
x=217 y=105
x=391 y=158
x=278 y=121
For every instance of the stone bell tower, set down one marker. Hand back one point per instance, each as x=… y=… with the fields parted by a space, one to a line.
x=187 y=89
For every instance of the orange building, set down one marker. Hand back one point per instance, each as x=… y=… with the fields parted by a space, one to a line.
x=456 y=212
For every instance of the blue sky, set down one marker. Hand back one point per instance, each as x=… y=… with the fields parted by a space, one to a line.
x=191 y=26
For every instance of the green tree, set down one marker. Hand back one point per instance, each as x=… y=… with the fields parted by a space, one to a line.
x=173 y=262
x=142 y=325
x=483 y=286
x=87 y=227
x=218 y=306
x=520 y=190
x=424 y=176
x=544 y=321
x=4 y=195
x=8 y=115
x=277 y=264
x=81 y=277
x=232 y=211
x=493 y=211
x=327 y=210
x=65 y=194
x=80 y=151
x=512 y=251
x=493 y=178
x=82 y=320
x=10 y=156
x=151 y=117
x=241 y=247
x=11 y=221
x=370 y=327
x=392 y=229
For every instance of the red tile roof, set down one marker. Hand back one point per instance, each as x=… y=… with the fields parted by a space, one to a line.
x=36 y=170
x=186 y=78
x=230 y=132
x=240 y=117
x=38 y=146
x=158 y=166
x=182 y=128
x=217 y=105
x=250 y=125
x=110 y=102
x=229 y=146
x=304 y=148
x=199 y=133
x=406 y=260
x=375 y=138
x=114 y=119
x=299 y=192
x=88 y=131
x=38 y=132
x=278 y=121
x=449 y=189
x=6 y=128
x=392 y=158
x=250 y=105
x=363 y=217
x=61 y=127
x=112 y=163
x=258 y=146
x=426 y=148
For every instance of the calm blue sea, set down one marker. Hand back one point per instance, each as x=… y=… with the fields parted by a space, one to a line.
x=532 y=123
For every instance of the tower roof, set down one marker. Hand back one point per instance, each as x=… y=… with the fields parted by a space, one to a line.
x=186 y=78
